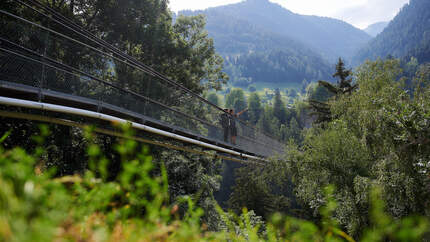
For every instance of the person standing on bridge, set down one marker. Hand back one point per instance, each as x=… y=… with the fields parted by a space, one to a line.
x=225 y=123
x=233 y=128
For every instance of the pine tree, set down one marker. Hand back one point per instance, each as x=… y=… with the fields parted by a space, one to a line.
x=279 y=109
x=255 y=109
x=343 y=86
x=294 y=130
x=343 y=75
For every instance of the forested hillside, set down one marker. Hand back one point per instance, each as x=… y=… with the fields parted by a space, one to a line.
x=408 y=34
x=375 y=136
x=330 y=37
x=245 y=45
x=376 y=28
x=264 y=42
x=275 y=67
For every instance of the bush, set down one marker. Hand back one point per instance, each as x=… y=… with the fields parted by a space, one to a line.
x=134 y=205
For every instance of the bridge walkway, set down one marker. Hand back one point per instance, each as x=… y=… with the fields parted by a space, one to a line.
x=66 y=65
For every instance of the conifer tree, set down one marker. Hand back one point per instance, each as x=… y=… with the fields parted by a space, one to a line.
x=279 y=110
x=255 y=109
x=343 y=86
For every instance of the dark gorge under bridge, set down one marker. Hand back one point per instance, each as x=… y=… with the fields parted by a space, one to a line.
x=50 y=63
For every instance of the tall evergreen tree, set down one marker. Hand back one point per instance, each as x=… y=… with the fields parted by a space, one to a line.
x=236 y=100
x=254 y=108
x=294 y=130
x=279 y=109
x=343 y=86
x=342 y=73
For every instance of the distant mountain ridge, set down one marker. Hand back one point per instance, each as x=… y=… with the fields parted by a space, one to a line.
x=408 y=34
x=291 y=47
x=331 y=37
x=376 y=28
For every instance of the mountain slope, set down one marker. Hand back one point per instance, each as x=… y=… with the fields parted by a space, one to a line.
x=264 y=42
x=246 y=48
x=376 y=28
x=407 y=34
x=331 y=37
x=276 y=66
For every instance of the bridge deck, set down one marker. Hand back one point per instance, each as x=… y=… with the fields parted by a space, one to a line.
x=24 y=92
x=69 y=66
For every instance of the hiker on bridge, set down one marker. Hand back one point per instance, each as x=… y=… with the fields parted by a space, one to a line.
x=225 y=123
x=233 y=128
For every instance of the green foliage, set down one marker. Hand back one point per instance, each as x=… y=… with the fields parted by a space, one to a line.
x=133 y=204
x=89 y=206
x=196 y=177
x=318 y=102
x=294 y=132
x=279 y=109
x=254 y=108
x=213 y=98
x=385 y=227
x=236 y=100
x=268 y=123
x=262 y=181
x=196 y=54
x=277 y=120
x=342 y=73
x=274 y=67
x=317 y=92
x=379 y=137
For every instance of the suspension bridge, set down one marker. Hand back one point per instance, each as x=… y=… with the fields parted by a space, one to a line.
x=50 y=63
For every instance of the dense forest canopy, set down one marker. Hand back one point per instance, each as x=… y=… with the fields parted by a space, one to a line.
x=275 y=67
x=377 y=136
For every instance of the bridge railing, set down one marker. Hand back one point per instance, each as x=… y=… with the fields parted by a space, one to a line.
x=66 y=64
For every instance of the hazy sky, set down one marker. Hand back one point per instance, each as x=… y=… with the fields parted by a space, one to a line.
x=359 y=13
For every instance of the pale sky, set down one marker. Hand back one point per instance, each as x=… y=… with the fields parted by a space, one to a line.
x=359 y=13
